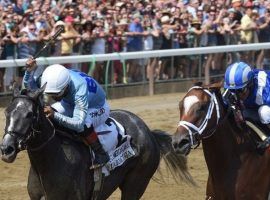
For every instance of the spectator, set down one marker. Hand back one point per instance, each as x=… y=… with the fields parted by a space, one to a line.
x=10 y=41
x=167 y=32
x=18 y=7
x=193 y=38
x=87 y=44
x=68 y=38
x=56 y=49
x=264 y=36
x=248 y=32
x=222 y=23
x=98 y=47
x=135 y=43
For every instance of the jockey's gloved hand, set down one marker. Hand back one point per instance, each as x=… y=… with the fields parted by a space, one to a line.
x=31 y=64
x=49 y=112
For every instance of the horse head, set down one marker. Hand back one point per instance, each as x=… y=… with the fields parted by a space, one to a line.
x=200 y=113
x=21 y=115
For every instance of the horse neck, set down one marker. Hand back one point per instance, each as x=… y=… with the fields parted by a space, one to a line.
x=43 y=133
x=222 y=149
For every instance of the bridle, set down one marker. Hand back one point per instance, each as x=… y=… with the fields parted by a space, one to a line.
x=192 y=129
x=23 y=139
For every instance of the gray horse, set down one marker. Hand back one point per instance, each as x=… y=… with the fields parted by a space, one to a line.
x=60 y=165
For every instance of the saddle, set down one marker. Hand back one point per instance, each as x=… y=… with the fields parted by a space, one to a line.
x=251 y=117
x=113 y=138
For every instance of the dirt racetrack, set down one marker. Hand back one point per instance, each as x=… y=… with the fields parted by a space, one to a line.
x=159 y=112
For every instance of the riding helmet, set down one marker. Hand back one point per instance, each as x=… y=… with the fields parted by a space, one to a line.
x=238 y=75
x=56 y=77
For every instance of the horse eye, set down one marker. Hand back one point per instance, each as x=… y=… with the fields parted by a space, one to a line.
x=29 y=115
x=202 y=107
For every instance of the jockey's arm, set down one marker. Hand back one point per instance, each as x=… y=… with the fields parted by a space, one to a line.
x=30 y=81
x=77 y=121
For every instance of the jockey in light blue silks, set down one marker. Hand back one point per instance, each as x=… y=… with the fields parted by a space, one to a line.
x=252 y=86
x=80 y=103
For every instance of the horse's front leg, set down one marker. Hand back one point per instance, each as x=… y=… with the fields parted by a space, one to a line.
x=34 y=187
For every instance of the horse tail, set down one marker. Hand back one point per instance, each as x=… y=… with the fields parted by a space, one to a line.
x=176 y=163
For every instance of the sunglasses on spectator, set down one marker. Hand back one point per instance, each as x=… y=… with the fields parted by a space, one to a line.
x=32 y=29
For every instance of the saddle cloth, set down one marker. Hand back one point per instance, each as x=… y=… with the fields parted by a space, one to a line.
x=116 y=143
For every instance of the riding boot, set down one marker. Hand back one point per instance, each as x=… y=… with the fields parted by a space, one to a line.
x=101 y=156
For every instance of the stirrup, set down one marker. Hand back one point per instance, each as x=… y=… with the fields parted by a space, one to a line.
x=96 y=166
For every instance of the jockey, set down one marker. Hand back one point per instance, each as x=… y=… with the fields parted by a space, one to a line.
x=252 y=87
x=80 y=103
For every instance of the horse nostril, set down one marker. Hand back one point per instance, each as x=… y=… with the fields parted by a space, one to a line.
x=8 y=150
x=175 y=145
x=183 y=143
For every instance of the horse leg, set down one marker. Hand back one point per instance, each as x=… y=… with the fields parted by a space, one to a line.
x=135 y=183
x=34 y=187
x=209 y=189
x=134 y=186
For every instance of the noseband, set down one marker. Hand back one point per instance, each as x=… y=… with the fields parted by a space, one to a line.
x=192 y=129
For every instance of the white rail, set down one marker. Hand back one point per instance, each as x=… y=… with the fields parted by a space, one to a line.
x=137 y=55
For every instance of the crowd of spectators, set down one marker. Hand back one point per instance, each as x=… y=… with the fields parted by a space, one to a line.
x=98 y=27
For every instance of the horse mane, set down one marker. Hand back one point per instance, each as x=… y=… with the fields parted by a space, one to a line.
x=213 y=86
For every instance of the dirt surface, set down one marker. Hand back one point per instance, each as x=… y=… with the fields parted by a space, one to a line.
x=159 y=112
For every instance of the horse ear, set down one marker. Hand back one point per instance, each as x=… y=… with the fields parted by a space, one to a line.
x=218 y=84
x=36 y=94
x=16 y=89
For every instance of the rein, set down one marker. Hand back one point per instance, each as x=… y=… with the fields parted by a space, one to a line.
x=190 y=126
x=45 y=143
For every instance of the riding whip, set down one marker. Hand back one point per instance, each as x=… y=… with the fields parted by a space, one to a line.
x=53 y=38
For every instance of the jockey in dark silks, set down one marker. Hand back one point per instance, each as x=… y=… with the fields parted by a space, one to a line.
x=80 y=103
x=252 y=88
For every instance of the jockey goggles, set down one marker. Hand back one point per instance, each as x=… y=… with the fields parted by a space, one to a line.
x=240 y=90
x=59 y=94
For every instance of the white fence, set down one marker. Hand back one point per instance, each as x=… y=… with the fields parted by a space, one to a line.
x=137 y=55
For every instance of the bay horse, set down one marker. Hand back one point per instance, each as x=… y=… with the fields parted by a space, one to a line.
x=236 y=170
x=60 y=165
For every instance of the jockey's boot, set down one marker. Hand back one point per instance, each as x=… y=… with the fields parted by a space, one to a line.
x=262 y=146
x=101 y=156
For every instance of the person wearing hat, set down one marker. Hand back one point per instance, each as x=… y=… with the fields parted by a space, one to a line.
x=57 y=44
x=248 y=31
x=250 y=88
x=168 y=33
x=69 y=37
x=248 y=27
x=237 y=6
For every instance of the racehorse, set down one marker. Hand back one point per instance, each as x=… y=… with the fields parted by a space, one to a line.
x=236 y=170
x=60 y=165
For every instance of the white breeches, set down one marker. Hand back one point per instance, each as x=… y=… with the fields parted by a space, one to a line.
x=264 y=113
